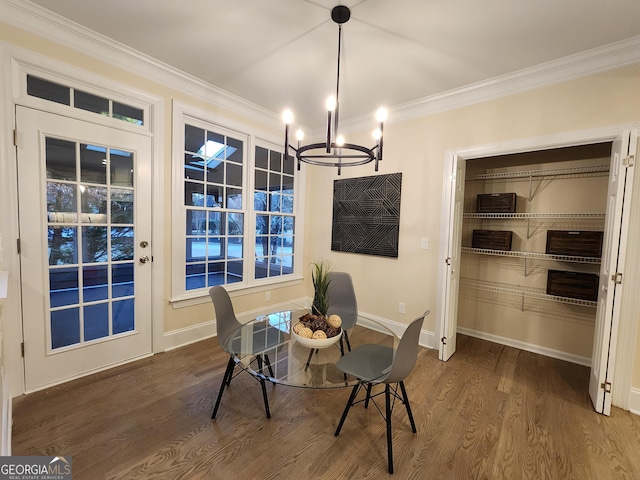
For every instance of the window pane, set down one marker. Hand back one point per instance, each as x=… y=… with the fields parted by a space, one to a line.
x=260 y=180
x=194 y=194
x=122 y=280
x=215 y=274
x=96 y=321
x=275 y=161
x=121 y=206
x=215 y=172
x=287 y=184
x=61 y=198
x=196 y=249
x=93 y=164
x=93 y=201
x=196 y=222
x=234 y=272
x=215 y=248
x=61 y=159
x=94 y=244
x=193 y=138
x=234 y=150
x=195 y=276
x=214 y=196
x=65 y=327
x=121 y=243
x=234 y=174
x=128 y=113
x=234 y=198
x=62 y=245
x=216 y=223
x=63 y=287
x=121 y=168
x=234 y=248
x=123 y=316
x=91 y=103
x=274 y=182
x=288 y=165
x=286 y=203
x=236 y=223
x=95 y=283
x=54 y=92
x=262 y=158
x=262 y=245
x=193 y=167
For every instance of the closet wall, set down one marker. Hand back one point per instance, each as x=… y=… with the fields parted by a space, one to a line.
x=503 y=293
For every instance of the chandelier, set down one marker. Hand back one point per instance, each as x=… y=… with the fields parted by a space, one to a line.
x=334 y=151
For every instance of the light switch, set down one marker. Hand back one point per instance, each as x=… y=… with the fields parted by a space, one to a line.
x=424 y=243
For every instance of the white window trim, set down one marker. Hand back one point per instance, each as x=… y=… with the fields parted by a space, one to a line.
x=180 y=297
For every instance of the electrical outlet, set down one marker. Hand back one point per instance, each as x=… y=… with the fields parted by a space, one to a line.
x=424 y=243
x=401 y=307
x=267 y=296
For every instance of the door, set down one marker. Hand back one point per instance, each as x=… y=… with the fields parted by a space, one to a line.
x=449 y=315
x=85 y=228
x=611 y=270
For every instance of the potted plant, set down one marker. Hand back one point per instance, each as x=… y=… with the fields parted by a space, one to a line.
x=320 y=277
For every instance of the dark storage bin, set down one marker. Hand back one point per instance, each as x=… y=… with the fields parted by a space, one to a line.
x=492 y=239
x=496 y=203
x=583 y=286
x=574 y=243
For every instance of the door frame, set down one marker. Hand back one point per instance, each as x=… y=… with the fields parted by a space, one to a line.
x=16 y=62
x=631 y=303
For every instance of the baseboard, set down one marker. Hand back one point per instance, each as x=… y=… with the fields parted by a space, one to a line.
x=548 y=352
x=427 y=338
x=634 y=400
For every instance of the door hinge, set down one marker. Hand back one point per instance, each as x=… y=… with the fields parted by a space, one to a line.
x=629 y=160
x=447 y=260
x=444 y=340
x=15 y=137
x=22 y=349
x=617 y=278
x=606 y=386
x=18 y=246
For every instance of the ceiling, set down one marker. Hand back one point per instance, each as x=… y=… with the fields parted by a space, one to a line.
x=283 y=53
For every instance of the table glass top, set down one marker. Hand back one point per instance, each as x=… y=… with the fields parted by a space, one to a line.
x=267 y=342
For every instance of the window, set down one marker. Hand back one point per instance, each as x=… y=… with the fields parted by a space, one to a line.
x=55 y=92
x=236 y=217
x=273 y=201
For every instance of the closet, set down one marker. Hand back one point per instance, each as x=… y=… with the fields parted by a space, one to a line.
x=531 y=249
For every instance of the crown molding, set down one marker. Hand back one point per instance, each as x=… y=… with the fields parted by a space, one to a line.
x=590 y=62
x=55 y=28
x=43 y=23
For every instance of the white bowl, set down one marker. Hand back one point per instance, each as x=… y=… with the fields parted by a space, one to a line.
x=316 y=342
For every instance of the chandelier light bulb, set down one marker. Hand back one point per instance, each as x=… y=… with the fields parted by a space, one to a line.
x=299 y=134
x=287 y=116
x=339 y=140
x=381 y=114
x=377 y=134
x=331 y=103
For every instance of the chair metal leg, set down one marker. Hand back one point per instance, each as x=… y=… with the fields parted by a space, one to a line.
x=366 y=401
x=387 y=396
x=225 y=381
x=266 y=360
x=406 y=404
x=346 y=338
x=352 y=397
x=309 y=359
x=265 y=398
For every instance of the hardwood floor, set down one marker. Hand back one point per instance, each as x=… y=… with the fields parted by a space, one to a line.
x=489 y=412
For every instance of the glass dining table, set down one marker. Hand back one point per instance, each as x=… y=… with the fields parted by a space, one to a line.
x=265 y=348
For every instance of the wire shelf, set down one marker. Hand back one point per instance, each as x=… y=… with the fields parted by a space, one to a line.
x=529 y=216
x=534 y=255
x=529 y=292
x=596 y=170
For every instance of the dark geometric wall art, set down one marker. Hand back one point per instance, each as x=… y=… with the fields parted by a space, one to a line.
x=366 y=215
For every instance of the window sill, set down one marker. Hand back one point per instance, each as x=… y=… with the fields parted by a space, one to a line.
x=202 y=296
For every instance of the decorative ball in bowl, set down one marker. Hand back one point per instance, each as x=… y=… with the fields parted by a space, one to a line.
x=316 y=331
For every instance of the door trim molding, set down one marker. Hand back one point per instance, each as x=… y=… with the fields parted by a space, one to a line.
x=623 y=368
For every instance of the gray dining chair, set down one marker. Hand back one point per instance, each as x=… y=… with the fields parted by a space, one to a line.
x=226 y=325
x=378 y=364
x=342 y=301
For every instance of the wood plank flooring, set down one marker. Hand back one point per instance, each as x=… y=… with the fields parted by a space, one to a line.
x=490 y=412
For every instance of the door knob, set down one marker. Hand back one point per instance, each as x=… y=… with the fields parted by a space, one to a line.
x=144 y=259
